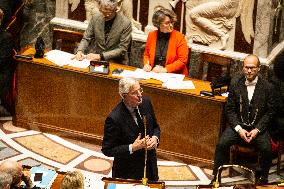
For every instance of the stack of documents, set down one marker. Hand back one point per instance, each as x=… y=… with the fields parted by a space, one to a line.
x=170 y=80
x=62 y=58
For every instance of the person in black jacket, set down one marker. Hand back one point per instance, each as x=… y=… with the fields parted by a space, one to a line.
x=277 y=79
x=6 y=65
x=124 y=137
x=249 y=110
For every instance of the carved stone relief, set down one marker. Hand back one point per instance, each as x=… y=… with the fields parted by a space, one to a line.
x=62 y=7
x=213 y=22
x=92 y=7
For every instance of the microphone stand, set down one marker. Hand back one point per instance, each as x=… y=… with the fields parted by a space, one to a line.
x=217 y=182
x=145 y=179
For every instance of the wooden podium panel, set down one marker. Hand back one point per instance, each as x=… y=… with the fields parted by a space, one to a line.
x=71 y=101
x=151 y=184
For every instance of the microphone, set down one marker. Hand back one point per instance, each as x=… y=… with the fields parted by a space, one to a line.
x=217 y=83
x=220 y=82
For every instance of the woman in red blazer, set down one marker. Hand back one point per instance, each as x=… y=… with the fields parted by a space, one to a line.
x=166 y=49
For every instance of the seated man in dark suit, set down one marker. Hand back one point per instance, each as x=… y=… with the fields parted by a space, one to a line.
x=6 y=66
x=124 y=137
x=249 y=109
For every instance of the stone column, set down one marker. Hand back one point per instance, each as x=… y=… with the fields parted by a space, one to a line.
x=152 y=5
x=61 y=8
x=264 y=29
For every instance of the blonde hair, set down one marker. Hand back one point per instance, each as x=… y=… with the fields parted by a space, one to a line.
x=72 y=180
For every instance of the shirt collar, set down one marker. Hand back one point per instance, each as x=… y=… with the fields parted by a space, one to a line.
x=252 y=83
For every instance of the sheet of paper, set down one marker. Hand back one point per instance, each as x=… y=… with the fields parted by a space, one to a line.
x=58 y=57
x=141 y=74
x=62 y=58
x=79 y=63
x=177 y=84
x=164 y=77
x=119 y=186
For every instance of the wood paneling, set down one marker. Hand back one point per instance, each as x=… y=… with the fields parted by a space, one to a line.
x=66 y=40
x=70 y=100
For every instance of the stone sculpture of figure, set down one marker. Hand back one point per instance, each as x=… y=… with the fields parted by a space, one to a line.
x=92 y=7
x=125 y=6
x=214 y=19
x=62 y=7
x=74 y=4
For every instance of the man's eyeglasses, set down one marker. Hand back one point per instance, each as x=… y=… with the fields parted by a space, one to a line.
x=107 y=11
x=253 y=68
x=136 y=92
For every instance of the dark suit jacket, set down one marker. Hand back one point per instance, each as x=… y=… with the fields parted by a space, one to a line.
x=120 y=130
x=261 y=108
x=115 y=46
x=6 y=66
x=8 y=7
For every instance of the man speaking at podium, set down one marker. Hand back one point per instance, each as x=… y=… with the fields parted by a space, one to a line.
x=124 y=134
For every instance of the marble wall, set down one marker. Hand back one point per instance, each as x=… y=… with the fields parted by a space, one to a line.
x=37 y=17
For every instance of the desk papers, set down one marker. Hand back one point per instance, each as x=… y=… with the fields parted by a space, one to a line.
x=170 y=80
x=92 y=181
x=127 y=186
x=173 y=84
x=62 y=58
x=48 y=176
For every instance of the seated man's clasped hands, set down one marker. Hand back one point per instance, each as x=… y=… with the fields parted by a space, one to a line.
x=166 y=49
x=248 y=136
x=124 y=134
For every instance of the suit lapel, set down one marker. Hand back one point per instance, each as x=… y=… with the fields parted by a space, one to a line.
x=113 y=31
x=153 y=47
x=128 y=120
x=257 y=91
x=244 y=94
x=170 y=45
x=101 y=27
x=245 y=101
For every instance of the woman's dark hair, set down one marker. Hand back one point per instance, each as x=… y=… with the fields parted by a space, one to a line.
x=159 y=15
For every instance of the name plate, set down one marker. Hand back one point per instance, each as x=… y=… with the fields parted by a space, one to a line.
x=99 y=67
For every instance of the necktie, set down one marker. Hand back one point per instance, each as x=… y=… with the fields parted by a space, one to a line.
x=139 y=120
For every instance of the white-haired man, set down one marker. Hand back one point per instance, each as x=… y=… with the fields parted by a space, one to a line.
x=124 y=137
x=108 y=35
x=5 y=180
x=15 y=169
